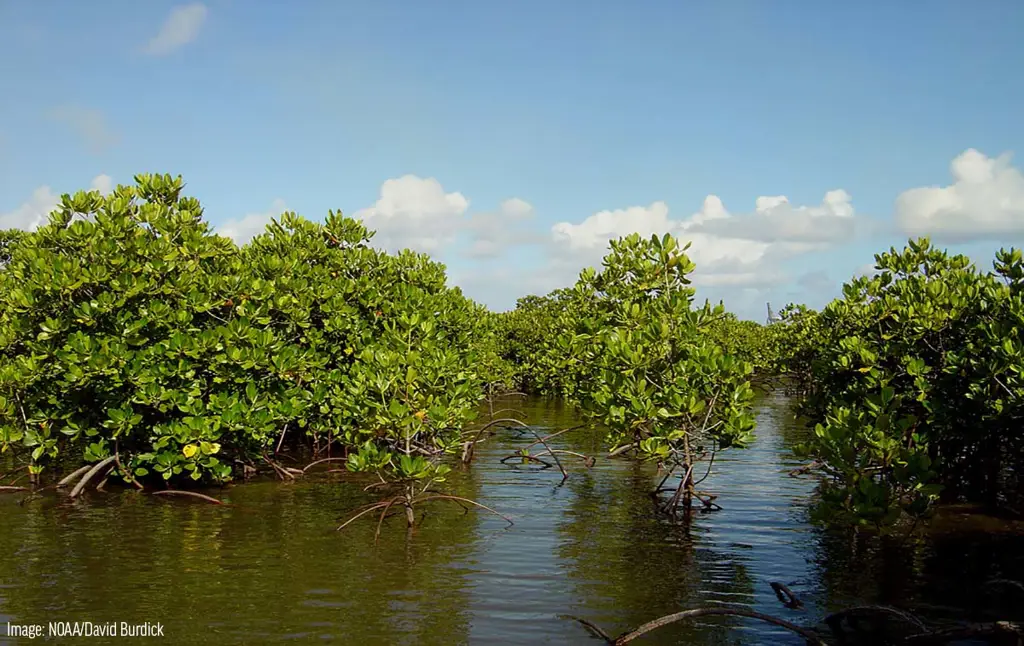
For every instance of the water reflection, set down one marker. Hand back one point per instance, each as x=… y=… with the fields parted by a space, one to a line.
x=271 y=568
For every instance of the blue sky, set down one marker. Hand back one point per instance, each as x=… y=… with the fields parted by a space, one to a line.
x=490 y=134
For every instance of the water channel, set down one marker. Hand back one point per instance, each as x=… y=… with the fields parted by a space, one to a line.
x=270 y=568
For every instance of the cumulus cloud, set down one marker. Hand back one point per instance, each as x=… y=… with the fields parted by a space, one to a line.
x=415 y=213
x=245 y=228
x=492 y=234
x=179 y=29
x=87 y=123
x=985 y=201
x=34 y=212
x=734 y=250
x=776 y=220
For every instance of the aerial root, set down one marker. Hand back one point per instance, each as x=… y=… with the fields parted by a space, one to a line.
x=921 y=635
x=804 y=470
x=1008 y=583
x=385 y=506
x=786 y=596
x=469 y=502
x=959 y=633
x=11 y=489
x=834 y=621
x=631 y=635
x=92 y=473
x=74 y=475
x=313 y=464
x=189 y=494
x=530 y=458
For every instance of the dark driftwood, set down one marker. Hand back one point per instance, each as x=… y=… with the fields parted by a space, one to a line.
x=93 y=472
x=190 y=494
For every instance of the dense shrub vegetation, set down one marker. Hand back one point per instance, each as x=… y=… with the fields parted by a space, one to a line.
x=130 y=332
x=918 y=384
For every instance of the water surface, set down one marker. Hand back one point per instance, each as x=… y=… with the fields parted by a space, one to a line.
x=271 y=569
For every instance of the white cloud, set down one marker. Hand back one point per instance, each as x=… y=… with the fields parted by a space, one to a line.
x=516 y=209
x=102 y=183
x=985 y=201
x=867 y=270
x=33 y=213
x=415 y=213
x=735 y=250
x=87 y=123
x=245 y=228
x=179 y=29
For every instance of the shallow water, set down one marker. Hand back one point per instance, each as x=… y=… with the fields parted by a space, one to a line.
x=270 y=567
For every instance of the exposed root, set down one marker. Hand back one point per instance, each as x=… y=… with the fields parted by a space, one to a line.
x=786 y=596
x=280 y=440
x=970 y=631
x=737 y=611
x=313 y=464
x=592 y=628
x=625 y=448
x=1007 y=583
x=74 y=475
x=834 y=621
x=921 y=634
x=540 y=440
x=589 y=461
x=546 y=438
x=92 y=473
x=528 y=458
x=804 y=470
x=514 y=411
x=363 y=513
x=383 y=515
x=408 y=502
x=280 y=470
x=11 y=489
x=469 y=502
x=467 y=451
x=190 y=494
x=125 y=475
